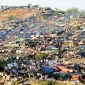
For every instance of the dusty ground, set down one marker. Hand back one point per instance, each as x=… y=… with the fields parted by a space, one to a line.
x=19 y=13
x=82 y=60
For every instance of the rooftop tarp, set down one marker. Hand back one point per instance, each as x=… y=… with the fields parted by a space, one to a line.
x=11 y=45
x=64 y=69
x=42 y=46
x=21 y=40
x=55 y=50
x=32 y=25
x=5 y=49
x=46 y=69
x=58 y=40
x=51 y=48
x=27 y=49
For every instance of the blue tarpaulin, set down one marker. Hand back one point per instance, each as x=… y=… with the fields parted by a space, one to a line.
x=46 y=69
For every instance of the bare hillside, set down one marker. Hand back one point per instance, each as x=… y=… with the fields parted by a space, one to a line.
x=19 y=13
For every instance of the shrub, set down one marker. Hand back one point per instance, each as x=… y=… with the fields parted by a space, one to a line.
x=40 y=56
x=12 y=18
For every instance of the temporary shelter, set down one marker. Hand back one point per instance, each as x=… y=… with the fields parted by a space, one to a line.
x=64 y=69
x=46 y=69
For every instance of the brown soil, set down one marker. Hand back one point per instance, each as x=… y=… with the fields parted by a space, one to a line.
x=19 y=13
x=82 y=60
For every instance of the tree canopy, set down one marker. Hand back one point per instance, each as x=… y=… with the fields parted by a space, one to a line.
x=40 y=56
x=47 y=8
x=29 y=5
x=82 y=11
x=72 y=10
x=59 y=11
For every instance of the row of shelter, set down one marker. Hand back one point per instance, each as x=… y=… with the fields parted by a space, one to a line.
x=53 y=36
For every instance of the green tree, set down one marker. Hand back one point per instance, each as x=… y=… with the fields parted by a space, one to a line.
x=47 y=8
x=29 y=5
x=82 y=11
x=2 y=7
x=56 y=10
x=59 y=11
x=72 y=10
x=40 y=56
x=37 y=5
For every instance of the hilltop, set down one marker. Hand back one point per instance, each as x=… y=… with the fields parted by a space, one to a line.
x=23 y=12
x=20 y=13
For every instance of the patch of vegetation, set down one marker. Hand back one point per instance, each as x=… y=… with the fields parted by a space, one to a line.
x=12 y=18
x=40 y=56
x=47 y=8
x=1 y=61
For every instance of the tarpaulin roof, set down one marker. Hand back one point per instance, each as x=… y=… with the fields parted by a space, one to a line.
x=46 y=69
x=27 y=49
x=64 y=69
x=11 y=45
x=58 y=40
x=42 y=46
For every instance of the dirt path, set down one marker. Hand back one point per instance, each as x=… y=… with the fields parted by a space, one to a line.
x=78 y=60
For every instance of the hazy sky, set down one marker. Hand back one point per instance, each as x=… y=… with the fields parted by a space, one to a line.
x=61 y=4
